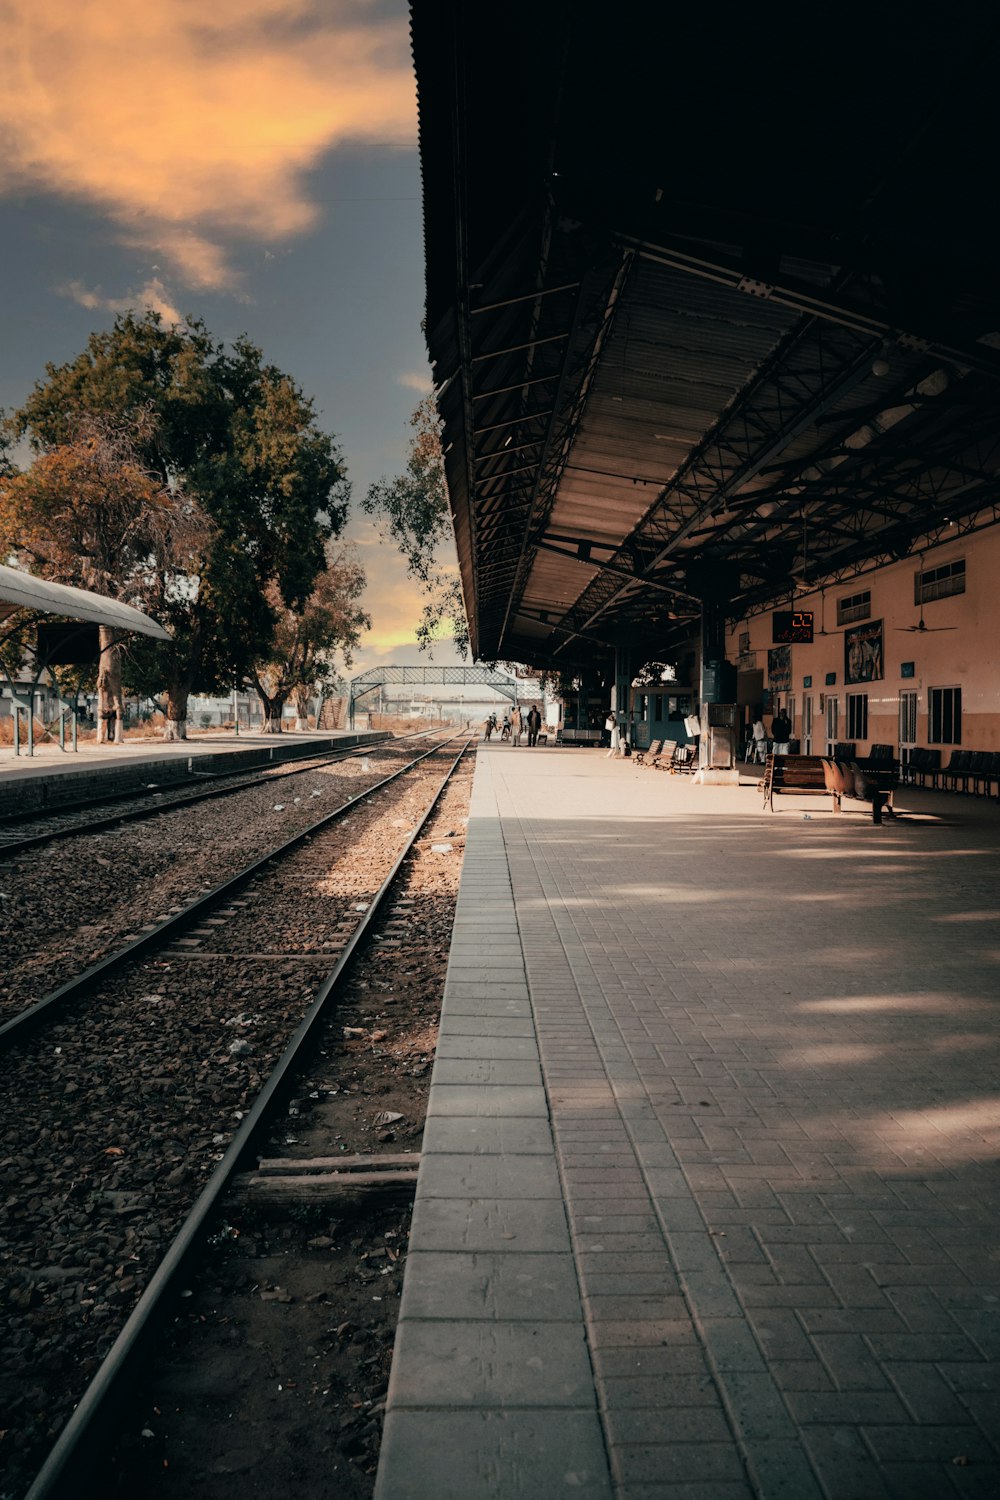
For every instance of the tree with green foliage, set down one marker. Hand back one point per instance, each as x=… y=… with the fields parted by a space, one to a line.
x=238 y=439
x=412 y=511
x=88 y=512
x=303 y=654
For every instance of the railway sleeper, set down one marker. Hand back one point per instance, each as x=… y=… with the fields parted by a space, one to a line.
x=319 y=1179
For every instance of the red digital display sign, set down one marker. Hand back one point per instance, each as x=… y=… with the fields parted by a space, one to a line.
x=792 y=627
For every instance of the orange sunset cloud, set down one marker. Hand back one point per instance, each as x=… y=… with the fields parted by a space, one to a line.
x=194 y=125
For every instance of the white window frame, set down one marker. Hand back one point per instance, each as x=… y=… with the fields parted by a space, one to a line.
x=940 y=582
x=854 y=607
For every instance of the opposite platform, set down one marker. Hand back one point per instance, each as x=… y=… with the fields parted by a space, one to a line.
x=709 y=1193
x=52 y=777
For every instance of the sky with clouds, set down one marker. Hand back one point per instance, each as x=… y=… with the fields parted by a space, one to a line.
x=251 y=162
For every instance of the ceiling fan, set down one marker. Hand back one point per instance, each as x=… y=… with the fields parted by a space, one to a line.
x=822 y=615
x=923 y=629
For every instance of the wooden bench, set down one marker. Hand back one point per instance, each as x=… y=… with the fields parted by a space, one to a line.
x=809 y=775
x=665 y=759
x=801 y=775
x=641 y=756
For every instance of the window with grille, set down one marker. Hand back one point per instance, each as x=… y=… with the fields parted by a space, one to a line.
x=907 y=718
x=854 y=607
x=857 y=716
x=945 y=716
x=938 y=583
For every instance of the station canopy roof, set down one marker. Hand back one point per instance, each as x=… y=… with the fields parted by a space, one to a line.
x=713 y=303
x=19 y=590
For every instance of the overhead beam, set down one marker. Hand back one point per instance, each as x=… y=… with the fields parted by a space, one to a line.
x=834 y=306
x=528 y=416
x=554 y=338
x=549 y=291
x=519 y=385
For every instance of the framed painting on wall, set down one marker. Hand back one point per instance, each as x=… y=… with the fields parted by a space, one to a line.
x=779 y=669
x=863 y=652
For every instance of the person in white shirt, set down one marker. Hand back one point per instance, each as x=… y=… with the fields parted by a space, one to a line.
x=759 y=741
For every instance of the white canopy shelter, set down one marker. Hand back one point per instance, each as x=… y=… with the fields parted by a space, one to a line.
x=19 y=590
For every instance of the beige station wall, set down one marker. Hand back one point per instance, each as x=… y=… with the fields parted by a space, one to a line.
x=965 y=656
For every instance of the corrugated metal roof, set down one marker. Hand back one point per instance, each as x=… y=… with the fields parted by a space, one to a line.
x=696 y=307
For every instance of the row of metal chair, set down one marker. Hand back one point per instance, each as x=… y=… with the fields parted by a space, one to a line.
x=973 y=771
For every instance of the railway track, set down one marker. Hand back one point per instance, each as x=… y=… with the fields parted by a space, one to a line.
x=175 y=926
x=132 y=1035
x=67 y=820
x=68 y=905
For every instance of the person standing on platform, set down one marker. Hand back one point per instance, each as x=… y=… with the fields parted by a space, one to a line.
x=611 y=725
x=488 y=724
x=534 y=724
x=781 y=732
x=515 y=725
x=759 y=741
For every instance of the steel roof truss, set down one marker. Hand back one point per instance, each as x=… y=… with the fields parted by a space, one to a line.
x=832 y=306
x=528 y=416
x=744 y=441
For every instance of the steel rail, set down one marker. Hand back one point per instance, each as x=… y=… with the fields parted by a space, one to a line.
x=28 y=1021
x=14 y=847
x=77 y=1446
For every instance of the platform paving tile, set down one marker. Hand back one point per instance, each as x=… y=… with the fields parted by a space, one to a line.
x=491 y=1363
x=481 y=1176
x=510 y=1048
x=768 y=1100
x=477 y=1071
x=477 y=1135
x=448 y=1454
x=501 y=1102
x=510 y=1286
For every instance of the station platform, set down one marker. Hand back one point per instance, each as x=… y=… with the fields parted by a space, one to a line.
x=51 y=776
x=709 y=1193
x=49 y=759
